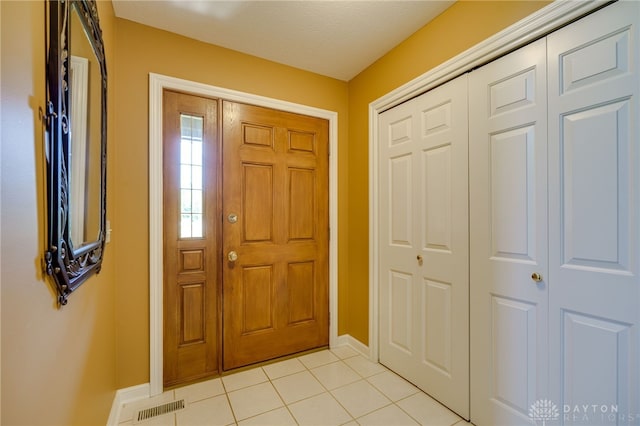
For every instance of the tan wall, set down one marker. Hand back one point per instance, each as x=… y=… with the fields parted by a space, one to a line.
x=139 y=51
x=58 y=365
x=460 y=27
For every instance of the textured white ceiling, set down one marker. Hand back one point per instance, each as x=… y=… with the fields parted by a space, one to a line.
x=334 y=38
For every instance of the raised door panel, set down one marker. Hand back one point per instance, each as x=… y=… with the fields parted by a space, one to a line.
x=508 y=236
x=596 y=364
x=513 y=204
x=516 y=92
x=302 y=283
x=597 y=61
x=257 y=292
x=437 y=317
x=400 y=309
x=191 y=311
x=437 y=176
x=513 y=356
x=594 y=211
x=400 y=194
x=596 y=139
x=257 y=203
x=302 y=203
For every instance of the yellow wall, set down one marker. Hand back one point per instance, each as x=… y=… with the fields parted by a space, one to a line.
x=139 y=51
x=458 y=28
x=58 y=365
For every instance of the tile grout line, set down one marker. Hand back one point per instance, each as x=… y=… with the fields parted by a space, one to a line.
x=353 y=419
x=286 y=406
x=362 y=378
x=392 y=402
x=279 y=396
x=404 y=411
x=326 y=390
x=322 y=385
x=226 y=394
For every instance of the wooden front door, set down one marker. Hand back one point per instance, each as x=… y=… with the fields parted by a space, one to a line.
x=275 y=227
x=191 y=238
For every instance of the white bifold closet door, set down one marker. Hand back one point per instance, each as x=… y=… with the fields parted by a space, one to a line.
x=423 y=270
x=508 y=233
x=554 y=229
x=594 y=217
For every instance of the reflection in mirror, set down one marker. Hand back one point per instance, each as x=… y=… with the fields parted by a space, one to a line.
x=85 y=143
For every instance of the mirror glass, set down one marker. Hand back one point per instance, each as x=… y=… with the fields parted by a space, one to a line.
x=85 y=91
x=76 y=133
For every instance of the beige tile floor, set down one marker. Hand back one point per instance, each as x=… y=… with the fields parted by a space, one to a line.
x=330 y=387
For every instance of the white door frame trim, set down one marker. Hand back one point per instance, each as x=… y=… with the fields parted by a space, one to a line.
x=525 y=31
x=157 y=83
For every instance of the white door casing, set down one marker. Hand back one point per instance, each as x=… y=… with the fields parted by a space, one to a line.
x=424 y=292
x=594 y=217
x=508 y=236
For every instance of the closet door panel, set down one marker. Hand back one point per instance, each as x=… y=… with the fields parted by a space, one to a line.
x=594 y=210
x=591 y=142
x=436 y=199
x=400 y=201
x=508 y=236
x=514 y=325
x=424 y=299
x=512 y=185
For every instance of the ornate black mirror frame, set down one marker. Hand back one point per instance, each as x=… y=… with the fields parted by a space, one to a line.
x=71 y=265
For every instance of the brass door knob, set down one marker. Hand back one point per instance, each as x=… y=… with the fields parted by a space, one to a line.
x=419 y=259
x=232 y=256
x=536 y=277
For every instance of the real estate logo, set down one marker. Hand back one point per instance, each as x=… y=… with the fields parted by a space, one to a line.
x=543 y=410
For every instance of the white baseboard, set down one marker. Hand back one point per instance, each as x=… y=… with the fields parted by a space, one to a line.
x=124 y=396
x=355 y=344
